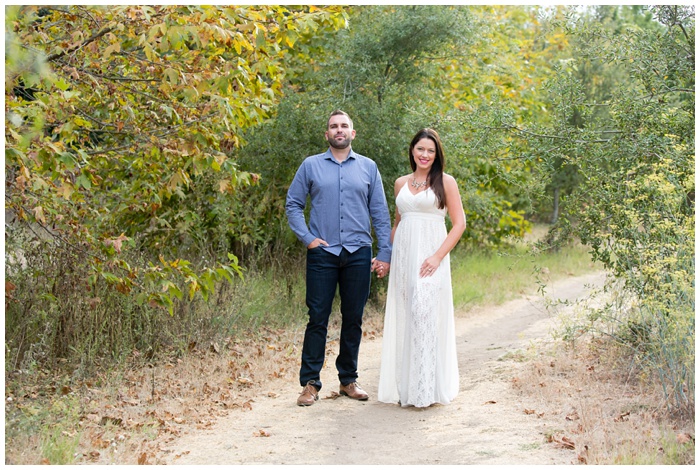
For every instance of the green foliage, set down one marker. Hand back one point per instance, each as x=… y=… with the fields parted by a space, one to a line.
x=122 y=125
x=494 y=110
x=635 y=205
x=397 y=69
x=94 y=325
x=371 y=70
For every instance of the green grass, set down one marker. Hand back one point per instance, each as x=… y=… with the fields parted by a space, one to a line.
x=492 y=278
x=665 y=451
x=47 y=425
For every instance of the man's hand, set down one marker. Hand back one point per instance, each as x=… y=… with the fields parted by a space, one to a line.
x=317 y=242
x=380 y=267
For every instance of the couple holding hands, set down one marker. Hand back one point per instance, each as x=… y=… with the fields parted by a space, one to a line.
x=419 y=356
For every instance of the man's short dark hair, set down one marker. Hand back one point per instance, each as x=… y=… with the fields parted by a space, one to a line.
x=339 y=112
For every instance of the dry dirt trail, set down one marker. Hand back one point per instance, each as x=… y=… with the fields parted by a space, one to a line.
x=486 y=423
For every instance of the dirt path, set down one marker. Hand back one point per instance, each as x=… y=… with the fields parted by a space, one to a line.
x=486 y=424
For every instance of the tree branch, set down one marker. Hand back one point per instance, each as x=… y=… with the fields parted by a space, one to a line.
x=170 y=131
x=92 y=38
x=553 y=137
x=112 y=78
x=54 y=235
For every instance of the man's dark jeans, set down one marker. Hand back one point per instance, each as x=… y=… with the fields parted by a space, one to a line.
x=324 y=272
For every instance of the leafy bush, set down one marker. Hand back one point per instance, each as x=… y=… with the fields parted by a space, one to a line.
x=636 y=207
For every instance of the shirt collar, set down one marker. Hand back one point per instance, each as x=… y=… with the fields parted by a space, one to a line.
x=329 y=155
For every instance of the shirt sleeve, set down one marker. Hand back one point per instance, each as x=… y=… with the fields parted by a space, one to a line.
x=295 y=205
x=379 y=212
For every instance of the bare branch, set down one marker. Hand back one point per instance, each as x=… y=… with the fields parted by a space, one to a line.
x=556 y=137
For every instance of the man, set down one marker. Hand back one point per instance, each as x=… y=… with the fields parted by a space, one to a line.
x=347 y=199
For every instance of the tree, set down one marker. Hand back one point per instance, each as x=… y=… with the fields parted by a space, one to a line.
x=121 y=127
x=493 y=107
x=635 y=202
x=473 y=73
x=376 y=70
x=599 y=80
x=117 y=115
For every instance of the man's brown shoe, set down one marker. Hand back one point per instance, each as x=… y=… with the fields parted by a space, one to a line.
x=353 y=390
x=308 y=396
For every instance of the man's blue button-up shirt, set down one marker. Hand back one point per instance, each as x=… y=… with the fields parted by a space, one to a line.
x=347 y=200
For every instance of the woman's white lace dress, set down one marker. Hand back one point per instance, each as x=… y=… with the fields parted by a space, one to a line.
x=419 y=354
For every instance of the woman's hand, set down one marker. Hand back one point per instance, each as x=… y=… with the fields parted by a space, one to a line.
x=429 y=266
x=380 y=267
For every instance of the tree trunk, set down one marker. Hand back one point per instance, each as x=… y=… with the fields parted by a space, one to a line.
x=555 y=209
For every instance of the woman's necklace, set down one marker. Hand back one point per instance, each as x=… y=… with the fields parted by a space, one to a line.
x=418 y=185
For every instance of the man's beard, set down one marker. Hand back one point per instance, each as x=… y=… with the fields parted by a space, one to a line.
x=343 y=144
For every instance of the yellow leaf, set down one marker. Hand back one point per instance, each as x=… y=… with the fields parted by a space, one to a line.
x=237 y=46
x=116 y=47
x=177 y=179
x=224 y=185
x=39 y=214
x=66 y=190
x=194 y=286
x=171 y=75
x=150 y=53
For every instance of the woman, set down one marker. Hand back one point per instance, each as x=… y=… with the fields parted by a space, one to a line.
x=419 y=354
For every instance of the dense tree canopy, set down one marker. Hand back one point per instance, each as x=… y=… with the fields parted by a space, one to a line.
x=117 y=115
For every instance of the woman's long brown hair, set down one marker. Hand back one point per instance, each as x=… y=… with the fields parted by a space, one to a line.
x=435 y=175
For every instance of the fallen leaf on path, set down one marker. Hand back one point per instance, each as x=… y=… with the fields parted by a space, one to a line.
x=563 y=442
x=244 y=380
x=109 y=420
x=261 y=433
x=490 y=402
x=143 y=459
x=332 y=396
x=566 y=442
